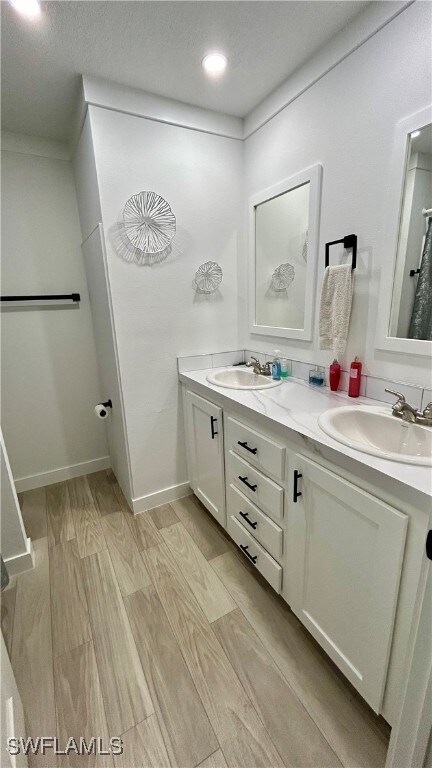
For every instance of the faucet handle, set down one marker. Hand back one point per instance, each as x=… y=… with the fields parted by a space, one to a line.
x=427 y=411
x=401 y=398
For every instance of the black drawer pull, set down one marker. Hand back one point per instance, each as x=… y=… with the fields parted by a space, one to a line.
x=244 y=515
x=245 y=481
x=245 y=445
x=245 y=549
x=428 y=544
x=213 y=420
x=296 y=493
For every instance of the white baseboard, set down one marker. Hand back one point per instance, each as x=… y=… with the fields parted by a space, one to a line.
x=143 y=503
x=62 y=473
x=22 y=562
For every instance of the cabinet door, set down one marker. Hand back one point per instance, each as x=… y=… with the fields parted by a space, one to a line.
x=345 y=555
x=205 y=437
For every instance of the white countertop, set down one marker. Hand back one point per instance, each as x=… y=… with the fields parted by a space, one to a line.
x=297 y=405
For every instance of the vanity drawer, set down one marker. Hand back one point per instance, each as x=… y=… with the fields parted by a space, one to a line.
x=265 y=493
x=256 y=554
x=262 y=452
x=254 y=521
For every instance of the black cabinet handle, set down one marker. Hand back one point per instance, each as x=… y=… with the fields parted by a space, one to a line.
x=245 y=481
x=213 y=420
x=245 y=445
x=245 y=549
x=428 y=544
x=297 y=493
x=244 y=515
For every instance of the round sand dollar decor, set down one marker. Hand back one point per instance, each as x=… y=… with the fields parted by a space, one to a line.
x=282 y=277
x=208 y=277
x=149 y=222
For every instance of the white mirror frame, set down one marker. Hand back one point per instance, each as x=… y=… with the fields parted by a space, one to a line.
x=391 y=238
x=313 y=175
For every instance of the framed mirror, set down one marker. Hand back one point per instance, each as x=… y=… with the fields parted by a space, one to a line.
x=405 y=324
x=283 y=244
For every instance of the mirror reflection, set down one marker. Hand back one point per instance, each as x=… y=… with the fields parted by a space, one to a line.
x=411 y=313
x=281 y=236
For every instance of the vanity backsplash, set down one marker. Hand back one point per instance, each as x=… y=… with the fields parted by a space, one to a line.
x=371 y=386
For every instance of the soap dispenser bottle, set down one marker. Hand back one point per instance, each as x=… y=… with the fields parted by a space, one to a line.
x=276 y=366
x=355 y=378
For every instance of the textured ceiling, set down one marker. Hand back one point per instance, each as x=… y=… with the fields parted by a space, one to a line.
x=157 y=47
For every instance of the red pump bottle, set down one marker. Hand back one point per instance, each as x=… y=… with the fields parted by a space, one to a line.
x=335 y=372
x=355 y=378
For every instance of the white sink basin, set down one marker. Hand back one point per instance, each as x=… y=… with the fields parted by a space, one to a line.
x=376 y=431
x=241 y=378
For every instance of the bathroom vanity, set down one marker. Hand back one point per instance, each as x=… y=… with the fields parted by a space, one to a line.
x=338 y=533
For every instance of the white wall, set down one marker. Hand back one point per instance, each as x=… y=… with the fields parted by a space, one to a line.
x=94 y=252
x=49 y=370
x=86 y=182
x=346 y=121
x=95 y=262
x=157 y=313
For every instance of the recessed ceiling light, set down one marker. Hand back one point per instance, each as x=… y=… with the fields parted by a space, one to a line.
x=26 y=7
x=215 y=63
x=415 y=134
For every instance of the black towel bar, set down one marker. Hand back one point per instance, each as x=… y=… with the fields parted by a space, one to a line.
x=75 y=297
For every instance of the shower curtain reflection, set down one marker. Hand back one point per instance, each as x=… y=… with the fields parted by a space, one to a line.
x=421 y=318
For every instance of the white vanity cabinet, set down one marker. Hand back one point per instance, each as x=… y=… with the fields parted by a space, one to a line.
x=204 y=430
x=344 y=559
x=332 y=543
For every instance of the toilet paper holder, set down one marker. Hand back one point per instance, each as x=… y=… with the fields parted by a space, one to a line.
x=101 y=409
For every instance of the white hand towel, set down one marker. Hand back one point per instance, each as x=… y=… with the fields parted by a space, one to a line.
x=335 y=309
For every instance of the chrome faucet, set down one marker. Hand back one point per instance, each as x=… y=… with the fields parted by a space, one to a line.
x=264 y=370
x=403 y=410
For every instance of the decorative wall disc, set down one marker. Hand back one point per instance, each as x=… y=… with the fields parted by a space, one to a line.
x=208 y=277
x=282 y=277
x=149 y=222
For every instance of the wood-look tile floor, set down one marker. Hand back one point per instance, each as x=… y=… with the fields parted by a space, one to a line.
x=153 y=628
